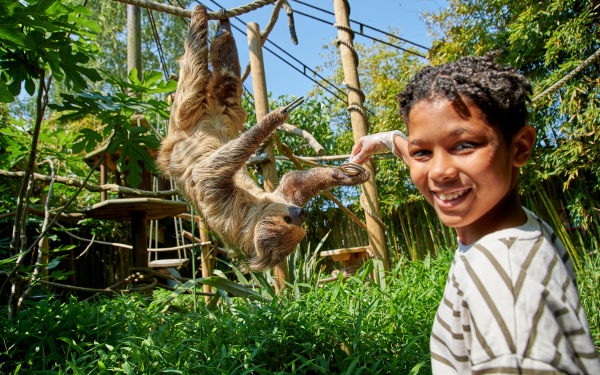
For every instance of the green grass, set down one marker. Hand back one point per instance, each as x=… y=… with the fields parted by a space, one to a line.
x=382 y=331
x=346 y=328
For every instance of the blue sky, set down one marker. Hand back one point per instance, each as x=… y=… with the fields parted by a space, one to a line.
x=312 y=35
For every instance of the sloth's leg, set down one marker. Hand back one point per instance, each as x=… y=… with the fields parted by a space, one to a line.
x=227 y=84
x=300 y=186
x=194 y=74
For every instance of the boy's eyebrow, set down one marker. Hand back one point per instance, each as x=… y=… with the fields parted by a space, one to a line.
x=456 y=132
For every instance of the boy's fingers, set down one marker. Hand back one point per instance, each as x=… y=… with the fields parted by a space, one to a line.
x=356 y=149
x=358 y=159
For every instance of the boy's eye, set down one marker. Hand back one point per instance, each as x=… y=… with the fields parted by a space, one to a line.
x=420 y=153
x=464 y=146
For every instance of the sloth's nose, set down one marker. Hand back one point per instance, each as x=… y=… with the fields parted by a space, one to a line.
x=298 y=215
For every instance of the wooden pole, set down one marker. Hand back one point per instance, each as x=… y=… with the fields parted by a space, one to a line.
x=206 y=258
x=261 y=102
x=360 y=128
x=139 y=239
x=103 y=175
x=134 y=39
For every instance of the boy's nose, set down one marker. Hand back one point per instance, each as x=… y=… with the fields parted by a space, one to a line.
x=442 y=167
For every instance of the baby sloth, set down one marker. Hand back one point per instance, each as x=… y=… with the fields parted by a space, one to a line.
x=208 y=161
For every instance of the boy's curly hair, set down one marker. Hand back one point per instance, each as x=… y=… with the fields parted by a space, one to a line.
x=499 y=91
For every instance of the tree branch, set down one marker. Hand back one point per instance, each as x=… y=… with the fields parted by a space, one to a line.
x=95 y=188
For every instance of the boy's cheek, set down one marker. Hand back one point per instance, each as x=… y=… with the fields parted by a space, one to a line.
x=419 y=178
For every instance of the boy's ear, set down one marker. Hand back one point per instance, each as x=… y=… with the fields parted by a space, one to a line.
x=522 y=144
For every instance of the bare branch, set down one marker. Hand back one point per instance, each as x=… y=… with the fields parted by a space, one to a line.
x=95 y=188
x=294 y=130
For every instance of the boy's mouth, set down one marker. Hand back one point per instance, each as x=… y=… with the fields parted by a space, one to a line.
x=450 y=198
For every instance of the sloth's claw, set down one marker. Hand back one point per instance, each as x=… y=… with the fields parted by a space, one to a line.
x=352 y=169
x=293 y=105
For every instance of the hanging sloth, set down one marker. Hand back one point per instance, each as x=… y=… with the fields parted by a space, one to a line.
x=208 y=161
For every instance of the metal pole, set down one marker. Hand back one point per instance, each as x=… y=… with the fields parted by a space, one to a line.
x=360 y=128
x=261 y=101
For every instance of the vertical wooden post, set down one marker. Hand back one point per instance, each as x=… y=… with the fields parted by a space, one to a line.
x=139 y=239
x=134 y=39
x=206 y=258
x=261 y=102
x=103 y=175
x=360 y=128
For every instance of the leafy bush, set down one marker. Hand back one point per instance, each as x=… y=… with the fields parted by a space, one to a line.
x=350 y=327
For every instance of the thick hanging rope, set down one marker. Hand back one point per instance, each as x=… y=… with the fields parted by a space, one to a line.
x=188 y=13
x=564 y=80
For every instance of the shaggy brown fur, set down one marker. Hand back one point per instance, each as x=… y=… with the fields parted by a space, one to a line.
x=207 y=161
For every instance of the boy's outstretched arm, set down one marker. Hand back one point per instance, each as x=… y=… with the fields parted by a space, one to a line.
x=380 y=143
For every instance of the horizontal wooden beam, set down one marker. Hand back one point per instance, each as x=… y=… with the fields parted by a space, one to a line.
x=352 y=250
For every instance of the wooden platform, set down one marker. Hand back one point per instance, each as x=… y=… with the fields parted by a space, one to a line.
x=346 y=254
x=121 y=209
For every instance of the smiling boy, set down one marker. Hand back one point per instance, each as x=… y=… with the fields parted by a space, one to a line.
x=510 y=305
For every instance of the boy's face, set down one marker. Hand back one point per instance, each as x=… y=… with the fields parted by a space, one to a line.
x=462 y=165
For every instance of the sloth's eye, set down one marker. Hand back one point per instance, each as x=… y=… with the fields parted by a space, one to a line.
x=287 y=219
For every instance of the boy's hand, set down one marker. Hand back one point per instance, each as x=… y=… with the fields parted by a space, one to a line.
x=378 y=143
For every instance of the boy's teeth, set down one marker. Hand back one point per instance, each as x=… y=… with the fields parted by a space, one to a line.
x=447 y=197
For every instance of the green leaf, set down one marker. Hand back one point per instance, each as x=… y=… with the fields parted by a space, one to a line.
x=52 y=264
x=89 y=140
x=70 y=64
x=5 y=95
x=16 y=37
x=133 y=77
x=18 y=72
x=415 y=370
x=133 y=152
x=30 y=86
x=39 y=8
x=214 y=281
x=127 y=368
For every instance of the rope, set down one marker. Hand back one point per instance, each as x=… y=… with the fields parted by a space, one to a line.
x=355 y=89
x=344 y=27
x=359 y=109
x=368 y=211
x=350 y=47
x=564 y=80
x=188 y=13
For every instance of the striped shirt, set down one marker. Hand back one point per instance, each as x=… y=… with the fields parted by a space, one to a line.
x=511 y=306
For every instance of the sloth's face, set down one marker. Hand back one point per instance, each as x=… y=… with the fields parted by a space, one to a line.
x=278 y=232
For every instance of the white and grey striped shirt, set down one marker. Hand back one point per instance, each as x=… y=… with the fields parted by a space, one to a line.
x=511 y=306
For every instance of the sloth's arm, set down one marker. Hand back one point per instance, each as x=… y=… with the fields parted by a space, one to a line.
x=300 y=186
x=233 y=155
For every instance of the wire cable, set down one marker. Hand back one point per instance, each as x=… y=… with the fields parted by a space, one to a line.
x=362 y=34
x=161 y=54
x=362 y=25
